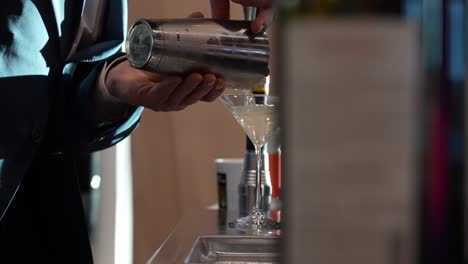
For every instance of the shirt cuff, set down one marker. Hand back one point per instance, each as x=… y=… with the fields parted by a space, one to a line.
x=109 y=108
x=101 y=81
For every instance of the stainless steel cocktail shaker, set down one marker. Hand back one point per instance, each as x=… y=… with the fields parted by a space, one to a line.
x=181 y=46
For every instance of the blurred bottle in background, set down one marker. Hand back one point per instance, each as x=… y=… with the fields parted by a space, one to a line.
x=273 y=161
x=443 y=36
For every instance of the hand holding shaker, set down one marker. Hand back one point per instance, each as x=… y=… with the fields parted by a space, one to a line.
x=181 y=46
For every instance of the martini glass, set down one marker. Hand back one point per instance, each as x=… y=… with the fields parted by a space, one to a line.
x=258 y=116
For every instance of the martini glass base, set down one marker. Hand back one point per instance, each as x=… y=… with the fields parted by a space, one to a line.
x=257 y=223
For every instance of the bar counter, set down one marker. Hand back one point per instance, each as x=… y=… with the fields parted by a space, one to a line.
x=193 y=224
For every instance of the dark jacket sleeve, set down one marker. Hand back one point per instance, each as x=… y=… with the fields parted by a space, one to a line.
x=84 y=69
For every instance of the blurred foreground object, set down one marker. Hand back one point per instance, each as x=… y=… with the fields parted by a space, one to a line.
x=350 y=85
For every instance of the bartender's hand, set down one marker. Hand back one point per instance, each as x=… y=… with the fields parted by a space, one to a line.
x=160 y=92
x=220 y=10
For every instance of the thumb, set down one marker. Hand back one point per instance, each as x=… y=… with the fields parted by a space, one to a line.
x=263 y=20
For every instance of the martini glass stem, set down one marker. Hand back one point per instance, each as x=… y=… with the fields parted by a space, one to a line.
x=258 y=180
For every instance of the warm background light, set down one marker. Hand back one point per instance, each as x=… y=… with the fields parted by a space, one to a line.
x=173 y=153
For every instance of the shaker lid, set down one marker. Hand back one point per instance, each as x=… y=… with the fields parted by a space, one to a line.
x=139 y=44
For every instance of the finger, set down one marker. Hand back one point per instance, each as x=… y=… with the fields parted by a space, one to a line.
x=160 y=92
x=216 y=92
x=209 y=81
x=196 y=15
x=220 y=9
x=255 y=3
x=185 y=88
x=263 y=20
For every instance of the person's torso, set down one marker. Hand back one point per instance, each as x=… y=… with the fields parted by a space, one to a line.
x=35 y=39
